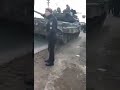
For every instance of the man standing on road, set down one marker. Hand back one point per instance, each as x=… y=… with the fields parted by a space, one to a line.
x=51 y=27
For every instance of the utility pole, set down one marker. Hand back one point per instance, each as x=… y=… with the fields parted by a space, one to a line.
x=48 y=2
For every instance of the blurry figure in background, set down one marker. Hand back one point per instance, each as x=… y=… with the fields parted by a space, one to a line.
x=67 y=10
x=68 y=15
x=83 y=27
x=116 y=7
x=55 y=11
x=59 y=15
x=74 y=15
x=110 y=6
x=69 y=18
x=58 y=10
x=73 y=12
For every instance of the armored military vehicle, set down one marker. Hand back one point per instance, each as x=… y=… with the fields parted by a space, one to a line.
x=66 y=31
x=96 y=12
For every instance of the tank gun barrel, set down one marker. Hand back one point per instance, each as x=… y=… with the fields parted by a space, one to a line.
x=38 y=13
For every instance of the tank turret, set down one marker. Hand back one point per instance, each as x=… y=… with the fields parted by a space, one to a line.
x=66 y=31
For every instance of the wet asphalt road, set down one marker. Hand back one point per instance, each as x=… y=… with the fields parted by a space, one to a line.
x=103 y=47
x=39 y=43
x=69 y=71
x=14 y=42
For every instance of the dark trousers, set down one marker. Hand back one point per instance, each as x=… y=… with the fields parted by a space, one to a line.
x=51 y=47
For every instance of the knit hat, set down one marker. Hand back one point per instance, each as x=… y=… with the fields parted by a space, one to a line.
x=49 y=9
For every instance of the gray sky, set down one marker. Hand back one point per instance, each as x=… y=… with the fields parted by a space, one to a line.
x=78 y=5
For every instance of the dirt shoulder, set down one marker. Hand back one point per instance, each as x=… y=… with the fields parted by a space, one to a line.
x=69 y=71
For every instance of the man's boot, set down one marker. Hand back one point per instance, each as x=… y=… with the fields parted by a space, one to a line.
x=49 y=64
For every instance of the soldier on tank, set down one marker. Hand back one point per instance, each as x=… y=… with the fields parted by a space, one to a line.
x=68 y=17
x=67 y=10
x=51 y=36
x=55 y=11
x=73 y=12
x=58 y=10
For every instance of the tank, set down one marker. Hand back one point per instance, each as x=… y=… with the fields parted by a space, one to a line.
x=66 y=31
x=96 y=11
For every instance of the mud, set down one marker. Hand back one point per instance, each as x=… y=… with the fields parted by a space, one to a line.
x=69 y=71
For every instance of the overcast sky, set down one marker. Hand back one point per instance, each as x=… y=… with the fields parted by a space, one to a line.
x=78 y=5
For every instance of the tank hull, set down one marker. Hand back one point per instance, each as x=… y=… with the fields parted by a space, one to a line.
x=65 y=31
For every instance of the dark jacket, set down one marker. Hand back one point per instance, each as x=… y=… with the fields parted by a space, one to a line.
x=51 y=27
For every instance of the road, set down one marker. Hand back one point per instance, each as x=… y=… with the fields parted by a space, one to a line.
x=14 y=43
x=16 y=58
x=103 y=49
x=39 y=43
x=69 y=71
